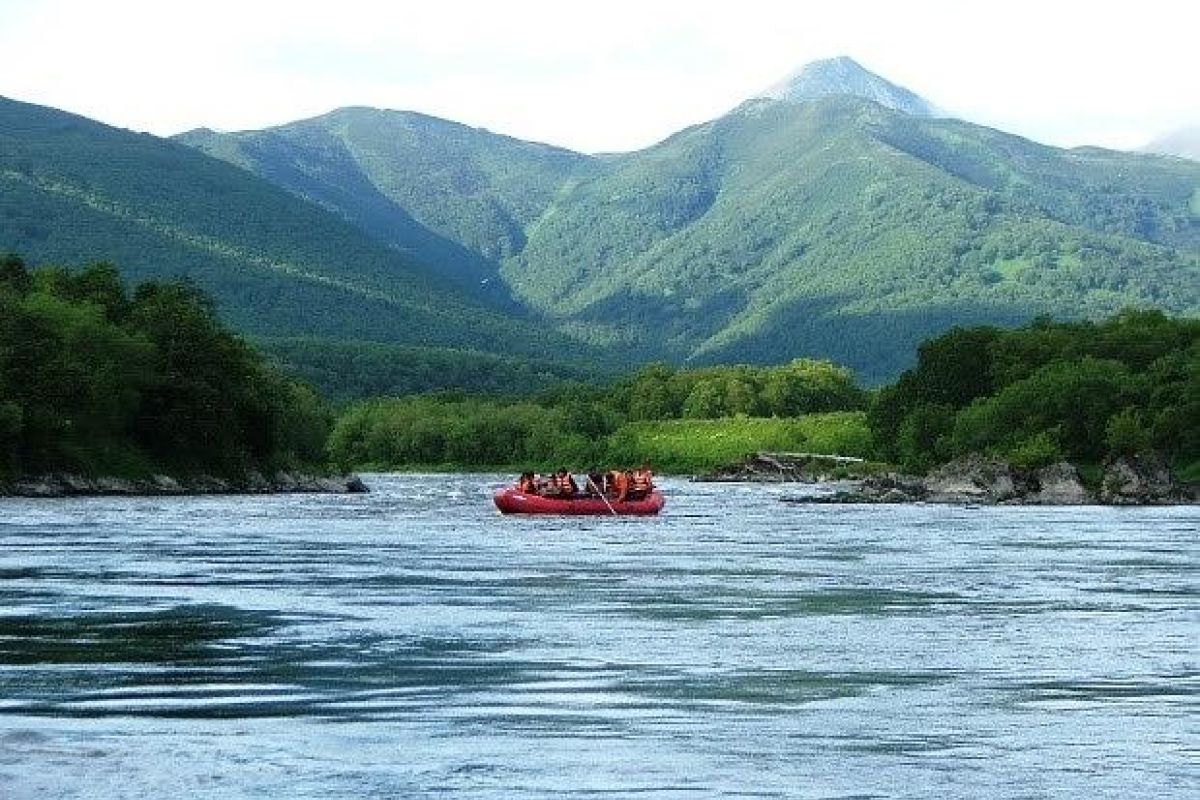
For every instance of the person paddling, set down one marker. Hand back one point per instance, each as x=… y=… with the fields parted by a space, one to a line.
x=641 y=483
x=565 y=484
x=619 y=483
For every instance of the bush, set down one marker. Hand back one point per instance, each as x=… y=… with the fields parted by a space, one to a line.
x=1126 y=433
x=1039 y=450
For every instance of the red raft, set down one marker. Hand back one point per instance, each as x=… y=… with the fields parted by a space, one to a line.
x=511 y=500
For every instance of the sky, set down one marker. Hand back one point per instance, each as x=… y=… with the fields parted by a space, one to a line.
x=601 y=76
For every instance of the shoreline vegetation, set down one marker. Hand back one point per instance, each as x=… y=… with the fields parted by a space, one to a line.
x=106 y=390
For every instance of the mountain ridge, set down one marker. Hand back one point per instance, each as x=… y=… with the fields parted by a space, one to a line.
x=1180 y=143
x=835 y=226
x=831 y=227
x=77 y=191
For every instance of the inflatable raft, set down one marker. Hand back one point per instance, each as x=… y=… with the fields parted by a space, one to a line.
x=511 y=500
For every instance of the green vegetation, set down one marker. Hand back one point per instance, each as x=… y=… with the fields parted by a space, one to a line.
x=1081 y=391
x=689 y=446
x=1034 y=395
x=453 y=196
x=838 y=229
x=74 y=191
x=344 y=371
x=97 y=381
x=833 y=229
x=679 y=420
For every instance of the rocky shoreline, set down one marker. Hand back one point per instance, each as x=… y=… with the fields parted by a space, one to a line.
x=984 y=480
x=67 y=485
x=785 y=468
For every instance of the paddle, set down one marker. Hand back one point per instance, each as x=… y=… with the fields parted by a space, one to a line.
x=596 y=489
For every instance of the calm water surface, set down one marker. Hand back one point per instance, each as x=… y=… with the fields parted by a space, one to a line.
x=411 y=642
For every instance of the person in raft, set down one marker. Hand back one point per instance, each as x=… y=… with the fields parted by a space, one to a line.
x=616 y=483
x=564 y=484
x=641 y=483
x=620 y=484
x=595 y=483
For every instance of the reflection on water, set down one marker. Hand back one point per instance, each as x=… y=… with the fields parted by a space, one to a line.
x=411 y=642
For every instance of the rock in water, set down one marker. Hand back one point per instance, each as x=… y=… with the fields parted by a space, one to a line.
x=974 y=479
x=1057 y=485
x=1139 y=480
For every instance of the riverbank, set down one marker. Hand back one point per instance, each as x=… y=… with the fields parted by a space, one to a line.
x=68 y=485
x=984 y=480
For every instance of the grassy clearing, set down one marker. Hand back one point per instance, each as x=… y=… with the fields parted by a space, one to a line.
x=689 y=446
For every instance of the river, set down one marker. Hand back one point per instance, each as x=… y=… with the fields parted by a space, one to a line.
x=412 y=643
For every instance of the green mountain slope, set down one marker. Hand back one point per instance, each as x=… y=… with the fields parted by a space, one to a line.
x=451 y=195
x=73 y=191
x=842 y=229
x=809 y=222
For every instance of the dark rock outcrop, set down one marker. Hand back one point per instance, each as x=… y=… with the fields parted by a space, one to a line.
x=1142 y=480
x=985 y=480
x=783 y=468
x=67 y=485
x=1057 y=485
x=974 y=479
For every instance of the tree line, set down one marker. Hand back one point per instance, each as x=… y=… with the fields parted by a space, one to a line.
x=1082 y=391
x=97 y=380
x=576 y=423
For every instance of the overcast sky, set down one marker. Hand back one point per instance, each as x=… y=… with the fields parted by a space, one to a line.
x=600 y=76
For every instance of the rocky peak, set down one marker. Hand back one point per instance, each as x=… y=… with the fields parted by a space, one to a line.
x=843 y=76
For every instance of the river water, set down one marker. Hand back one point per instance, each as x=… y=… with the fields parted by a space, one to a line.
x=412 y=643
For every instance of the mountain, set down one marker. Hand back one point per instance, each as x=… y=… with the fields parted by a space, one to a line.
x=445 y=193
x=845 y=77
x=1183 y=143
x=833 y=216
x=833 y=227
x=839 y=228
x=74 y=191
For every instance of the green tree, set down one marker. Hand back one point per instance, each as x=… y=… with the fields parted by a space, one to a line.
x=1126 y=433
x=707 y=400
x=650 y=395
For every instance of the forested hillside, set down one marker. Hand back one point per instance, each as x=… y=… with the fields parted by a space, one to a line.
x=840 y=229
x=1083 y=391
x=816 y=224
x=73 y=191
x=455 y=197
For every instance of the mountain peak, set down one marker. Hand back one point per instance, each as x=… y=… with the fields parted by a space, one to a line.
x=845 y=76
x=1182 y=143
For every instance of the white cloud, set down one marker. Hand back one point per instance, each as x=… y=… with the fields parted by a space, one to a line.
x=598 y=77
